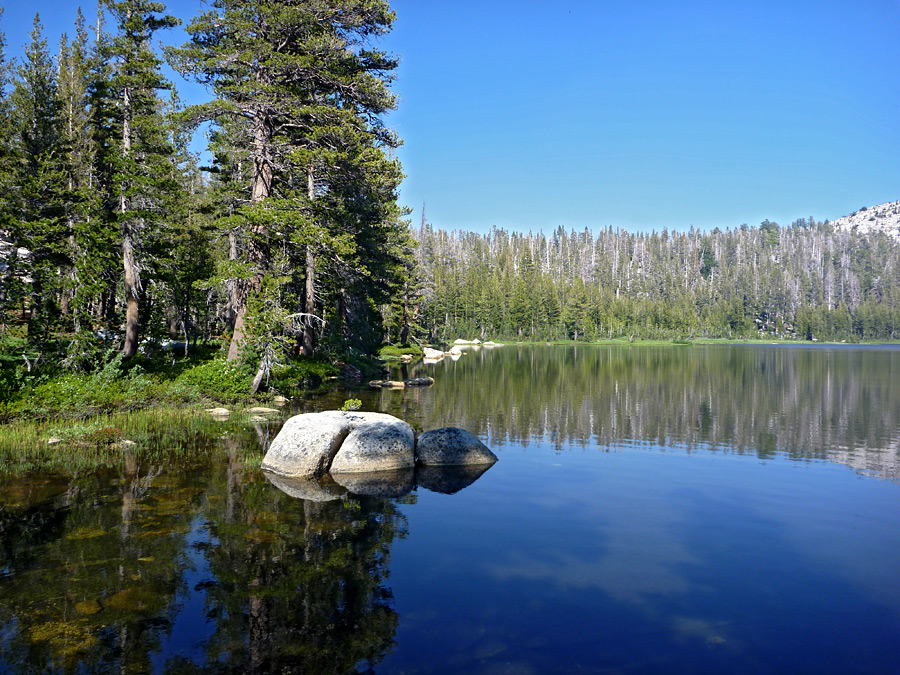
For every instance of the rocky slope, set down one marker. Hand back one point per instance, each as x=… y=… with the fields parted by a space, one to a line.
x=882 y=218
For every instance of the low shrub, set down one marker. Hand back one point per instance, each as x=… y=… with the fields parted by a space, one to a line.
x=218 y=379
x=301 y=374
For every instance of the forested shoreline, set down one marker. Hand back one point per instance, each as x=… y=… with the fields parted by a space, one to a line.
x=285 y=255
x=805 y=281
x=116 y=241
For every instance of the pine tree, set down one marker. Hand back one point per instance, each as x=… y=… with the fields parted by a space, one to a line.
x=144 y=177
x=38 y=190
x=8 y=249
x=75 y=136
x=298 y=79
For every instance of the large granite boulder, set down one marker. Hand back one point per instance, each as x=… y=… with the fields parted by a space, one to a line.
x=451 y=446
x=356 y=418
x=306 y=444
x=430 y=353
x=376 y=445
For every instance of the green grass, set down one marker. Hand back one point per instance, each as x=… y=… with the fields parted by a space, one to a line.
x=103 y=440
x=396 y=351
x=202 y=378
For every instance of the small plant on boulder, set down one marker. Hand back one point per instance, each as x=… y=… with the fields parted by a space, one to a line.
x=351 y=404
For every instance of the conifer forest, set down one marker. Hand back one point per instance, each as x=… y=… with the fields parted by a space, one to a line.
x=286 y=241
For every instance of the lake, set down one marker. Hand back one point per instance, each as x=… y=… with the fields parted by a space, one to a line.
x=696 y=509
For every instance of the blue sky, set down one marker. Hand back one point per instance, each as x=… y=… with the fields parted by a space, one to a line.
x=641 y=115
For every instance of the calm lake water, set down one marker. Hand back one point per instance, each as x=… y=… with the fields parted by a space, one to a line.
x=697 y=509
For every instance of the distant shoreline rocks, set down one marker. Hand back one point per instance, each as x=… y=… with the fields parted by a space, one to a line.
x=402 y=384
x=431 y=355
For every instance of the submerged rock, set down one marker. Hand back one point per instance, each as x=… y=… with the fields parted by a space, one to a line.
x=384 y=484
x=376 y=445
x=136 y=599
x=87 y=607
x=448 y=480
x=419 y=382
x=306 y=444
x=452 y=446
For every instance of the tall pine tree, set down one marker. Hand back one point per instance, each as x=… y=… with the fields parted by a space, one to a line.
x=300 y=80
x=39 y=187
x=144 y=176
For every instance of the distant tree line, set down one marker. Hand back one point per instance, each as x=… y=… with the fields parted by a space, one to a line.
x=113 y=237
x=805 y=281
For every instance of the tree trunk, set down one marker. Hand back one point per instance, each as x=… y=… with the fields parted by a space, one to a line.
x=256 y=246
x=309 y=342
x=310 y=289
x=234 y=285
x=132 y=288
x=132 y=276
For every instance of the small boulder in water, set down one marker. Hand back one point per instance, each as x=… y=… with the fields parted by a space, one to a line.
x=387 y=384
x=452 y=446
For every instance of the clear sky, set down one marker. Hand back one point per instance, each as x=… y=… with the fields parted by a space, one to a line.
x=533 y=114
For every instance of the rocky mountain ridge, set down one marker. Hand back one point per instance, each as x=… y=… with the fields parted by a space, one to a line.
x=881 y=218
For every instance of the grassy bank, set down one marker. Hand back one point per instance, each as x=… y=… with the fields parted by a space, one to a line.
x=108 y=440
x=40 y=391
x=397 y=352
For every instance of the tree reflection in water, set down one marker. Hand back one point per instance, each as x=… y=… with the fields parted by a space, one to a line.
x=203 y=567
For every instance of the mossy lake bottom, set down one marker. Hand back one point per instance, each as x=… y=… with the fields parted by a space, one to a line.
x=706 y=509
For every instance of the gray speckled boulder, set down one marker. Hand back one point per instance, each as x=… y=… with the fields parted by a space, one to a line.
x=308 y=489
x=451 y=446
x=306 y=444
x=376 y=444
x=385 y=484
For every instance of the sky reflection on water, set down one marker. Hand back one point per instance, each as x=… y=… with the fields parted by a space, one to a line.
x=707 y=510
